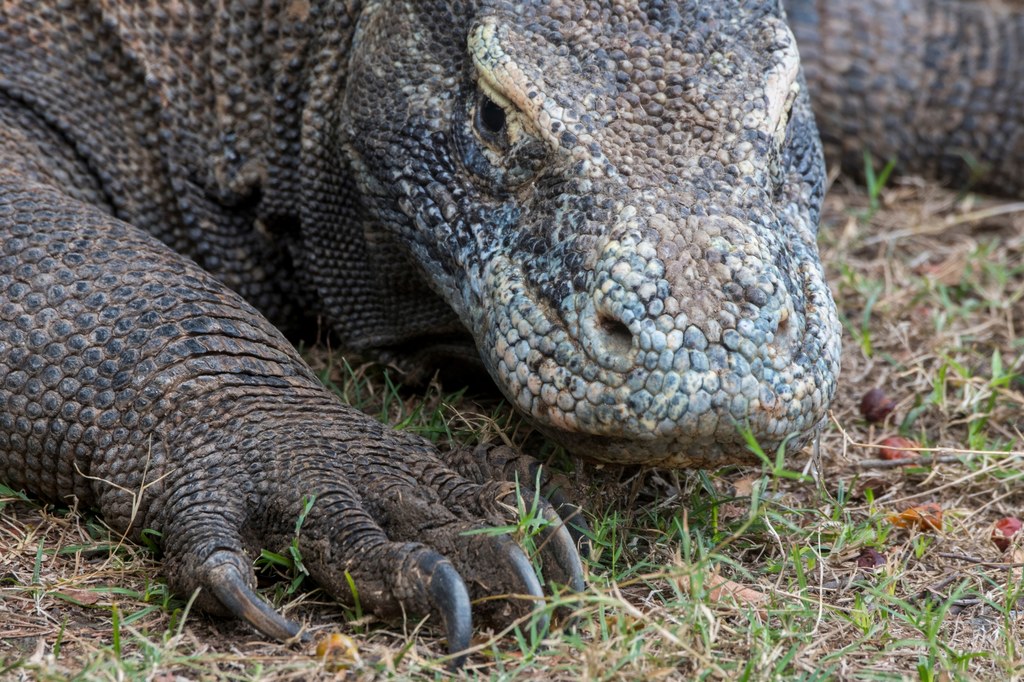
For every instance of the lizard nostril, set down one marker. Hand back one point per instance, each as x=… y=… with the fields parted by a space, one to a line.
x=616 y=335
x=785 y=340
x=783 y=327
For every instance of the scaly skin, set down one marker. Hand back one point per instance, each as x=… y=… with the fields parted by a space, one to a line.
x=884 y=76
x=616 y=201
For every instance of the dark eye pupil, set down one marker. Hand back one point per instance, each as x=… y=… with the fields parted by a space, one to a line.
x=492 y=117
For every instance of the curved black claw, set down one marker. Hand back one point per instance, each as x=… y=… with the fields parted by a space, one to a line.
x=558 y=550
x=572 y=516
x=529 y=585
x=449 y=597
x=227 y=582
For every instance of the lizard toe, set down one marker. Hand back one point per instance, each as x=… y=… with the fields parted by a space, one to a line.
x=393 y=578
x=356 y=559
x=505 y=581
x=497 y=501
x=561 y=558
x=206 y=556
x=497 y=572
x=489 y=462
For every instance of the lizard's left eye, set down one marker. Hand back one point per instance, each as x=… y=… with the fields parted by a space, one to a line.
x=490 y=121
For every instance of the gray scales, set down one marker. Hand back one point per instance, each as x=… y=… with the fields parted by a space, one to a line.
x=617 y=202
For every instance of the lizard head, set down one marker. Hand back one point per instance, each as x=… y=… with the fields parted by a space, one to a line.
x=620 y=201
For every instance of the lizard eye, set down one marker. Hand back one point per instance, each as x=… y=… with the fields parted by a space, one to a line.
x=496 y=142
x=490 y=121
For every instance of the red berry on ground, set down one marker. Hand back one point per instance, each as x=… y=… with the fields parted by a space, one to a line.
x=1003 y=532
x=898 y=447
x=876 y=406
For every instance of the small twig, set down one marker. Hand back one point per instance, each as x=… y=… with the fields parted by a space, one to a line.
x=1009 y=454
x=981 y=562
x=1005 y=458
x=909 y=462
x=843 y=584
x=939 y=227
x=934 y=589
x=985 y=214
x=967 y=601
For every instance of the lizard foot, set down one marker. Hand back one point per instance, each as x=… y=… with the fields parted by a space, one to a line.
x=384 y=522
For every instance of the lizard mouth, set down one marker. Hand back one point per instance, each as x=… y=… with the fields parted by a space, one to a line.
x=615 y=385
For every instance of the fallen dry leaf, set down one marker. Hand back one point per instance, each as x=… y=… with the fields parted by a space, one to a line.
x=870 y=558
x=921 y=517
x=949 y=272
x=719 y=588
x=744 y=487
x=624 y=623
x=80 y=597
x=730 y=512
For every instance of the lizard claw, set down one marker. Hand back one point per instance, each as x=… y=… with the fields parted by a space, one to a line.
x=449 y=597
x=572 y=517
x=228 y=584
x=529 y=586
x=558 y=547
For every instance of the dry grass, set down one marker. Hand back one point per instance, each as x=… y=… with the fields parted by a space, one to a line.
x=931 y=287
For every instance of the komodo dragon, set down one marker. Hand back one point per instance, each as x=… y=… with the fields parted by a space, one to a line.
x=617 y=199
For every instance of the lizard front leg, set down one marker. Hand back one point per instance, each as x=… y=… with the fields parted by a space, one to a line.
x=135 y=382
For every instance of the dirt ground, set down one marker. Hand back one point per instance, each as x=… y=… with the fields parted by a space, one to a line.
x=833 y=573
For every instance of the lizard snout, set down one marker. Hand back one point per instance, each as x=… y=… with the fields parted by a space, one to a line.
x=682 y=344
